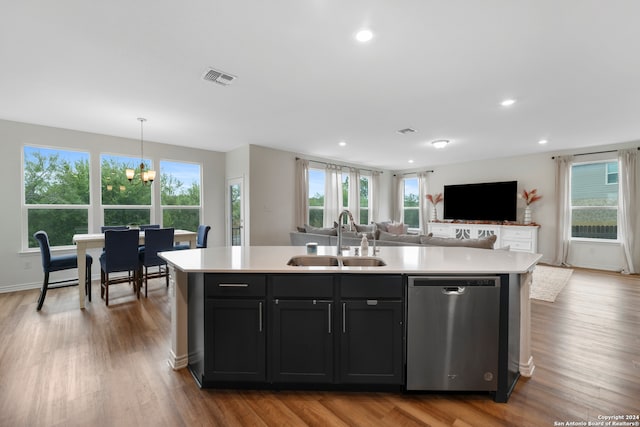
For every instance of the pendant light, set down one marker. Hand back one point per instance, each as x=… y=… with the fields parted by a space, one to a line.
x=145 y=175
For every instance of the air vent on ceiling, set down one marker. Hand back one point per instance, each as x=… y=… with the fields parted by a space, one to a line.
x=219 y=77
x=406 y=131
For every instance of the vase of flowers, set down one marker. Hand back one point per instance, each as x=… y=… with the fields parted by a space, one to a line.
x=529 y=197
x=434 y=199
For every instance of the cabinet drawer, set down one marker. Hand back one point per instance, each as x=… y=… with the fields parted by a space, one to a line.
x=517 y=234
x=234 y=285
x=518 y=245
x=371 y=286
x=302 y=286
x=440 y=231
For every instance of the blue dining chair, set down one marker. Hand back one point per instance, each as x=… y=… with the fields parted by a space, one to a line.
x=155 y=240
x=201 y=238
x=59 y=263
x=120 y=255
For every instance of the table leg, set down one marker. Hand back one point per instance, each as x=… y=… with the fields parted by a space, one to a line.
x=82 y=268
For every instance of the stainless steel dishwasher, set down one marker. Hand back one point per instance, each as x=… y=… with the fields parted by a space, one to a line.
x=453 y=333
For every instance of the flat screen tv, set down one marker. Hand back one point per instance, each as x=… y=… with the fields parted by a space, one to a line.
x=489 y=201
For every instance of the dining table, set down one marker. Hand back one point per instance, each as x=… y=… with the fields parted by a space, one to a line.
x=96 y=240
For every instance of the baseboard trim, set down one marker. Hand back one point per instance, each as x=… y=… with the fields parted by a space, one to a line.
x=177 y=362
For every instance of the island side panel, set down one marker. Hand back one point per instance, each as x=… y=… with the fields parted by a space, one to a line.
x=526 y=358
x=178 y=291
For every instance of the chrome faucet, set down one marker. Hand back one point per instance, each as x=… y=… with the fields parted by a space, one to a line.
x=346 y=211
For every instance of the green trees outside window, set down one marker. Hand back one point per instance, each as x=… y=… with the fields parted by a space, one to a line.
x=180 y=195
x=411 y=203
x=56 y=194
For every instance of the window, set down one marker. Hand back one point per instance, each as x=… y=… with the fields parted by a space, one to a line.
x=594 y=200
x=180 y=195
x=124 y=202
x=364 y=200
x=316 y=197
x=56 y=194
x=411 y=203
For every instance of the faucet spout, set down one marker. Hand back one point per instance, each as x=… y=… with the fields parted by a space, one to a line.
x=346 y=211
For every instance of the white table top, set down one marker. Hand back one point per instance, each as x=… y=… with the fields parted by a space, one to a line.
x=407 y=260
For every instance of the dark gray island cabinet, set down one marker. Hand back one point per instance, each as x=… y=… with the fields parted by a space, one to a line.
x=296 y=330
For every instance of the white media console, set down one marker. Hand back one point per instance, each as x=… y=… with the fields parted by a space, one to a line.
x=521 y=238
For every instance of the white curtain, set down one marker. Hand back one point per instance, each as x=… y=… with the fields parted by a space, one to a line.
x=354 y=194
x=399 y=205
x=563 y=208
x=627 y=217
x=423 y=190
x=332 y=194
x=302 y=192
x=374 y=198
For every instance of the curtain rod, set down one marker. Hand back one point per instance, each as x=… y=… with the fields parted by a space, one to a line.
x=344 y=166
x=595 y=152
x=411 y=173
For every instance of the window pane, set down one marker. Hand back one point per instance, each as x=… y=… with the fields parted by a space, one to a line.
x=594 y=223
x=116 y=188
x=589 y=187
x=60 y=224
x=364 y=216
x=364 y=192
x=55 y=177
x=316 y=187
x=345 y=190
x=316 y=217
x=594 y=200
x=411 y=192
x=127 y=216
x=179 y=184
x=183 y=219
x=411 y=218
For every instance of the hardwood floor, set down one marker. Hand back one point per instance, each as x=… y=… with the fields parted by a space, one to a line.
x=107 y=367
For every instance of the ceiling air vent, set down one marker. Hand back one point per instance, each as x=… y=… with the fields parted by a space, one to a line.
x=219 y=77
x=406 y=131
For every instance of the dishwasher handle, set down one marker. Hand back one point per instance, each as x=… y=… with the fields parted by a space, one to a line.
x=454 y=290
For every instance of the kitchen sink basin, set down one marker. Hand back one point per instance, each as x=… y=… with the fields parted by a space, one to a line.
x=314 y=261
x=362 y=261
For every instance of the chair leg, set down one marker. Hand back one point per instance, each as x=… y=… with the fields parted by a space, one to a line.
x=106 y=289
x=166 y=275
x=43 y=291
x=101 y=283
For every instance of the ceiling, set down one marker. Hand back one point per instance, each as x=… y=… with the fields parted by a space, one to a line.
x=304 y=83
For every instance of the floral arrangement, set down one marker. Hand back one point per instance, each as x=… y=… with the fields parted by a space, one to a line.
x=435 y=198
x=530 y=196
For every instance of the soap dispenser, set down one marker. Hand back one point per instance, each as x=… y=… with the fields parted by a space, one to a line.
x=364 y=246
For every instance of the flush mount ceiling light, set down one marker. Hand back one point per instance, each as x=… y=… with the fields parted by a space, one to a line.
x=411 y=161
x=406 y=131
x=542 y=141
x=440 y=143
x=342 y=143
x=364 y=35
x=508 y=102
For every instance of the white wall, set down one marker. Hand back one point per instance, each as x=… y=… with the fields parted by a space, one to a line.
x=22 y=269
x=534 y=171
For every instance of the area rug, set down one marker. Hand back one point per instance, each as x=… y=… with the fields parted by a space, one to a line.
x=548 y=282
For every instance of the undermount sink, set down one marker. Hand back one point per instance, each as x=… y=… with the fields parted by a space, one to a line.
x=362 y=261
x=334 y=261
x=314 y=261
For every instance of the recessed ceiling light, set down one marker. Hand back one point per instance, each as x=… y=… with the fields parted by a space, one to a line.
x=342 y=143
x=440 y=143
x=364 y=35
x=508 y=102
x=410 y=161
x=542 y=141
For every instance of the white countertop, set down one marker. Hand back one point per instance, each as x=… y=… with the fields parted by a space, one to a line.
x=407 y=260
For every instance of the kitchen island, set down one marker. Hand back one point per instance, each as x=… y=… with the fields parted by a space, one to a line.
x=254 y=289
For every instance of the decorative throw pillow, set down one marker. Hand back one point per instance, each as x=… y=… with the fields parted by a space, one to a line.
x=484 y=243
x=318 y=230
x=404 y=238
x=397 y=228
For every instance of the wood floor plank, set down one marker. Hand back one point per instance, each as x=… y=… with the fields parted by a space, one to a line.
x=106 y=366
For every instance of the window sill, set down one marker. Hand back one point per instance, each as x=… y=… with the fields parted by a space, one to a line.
x=612 y=242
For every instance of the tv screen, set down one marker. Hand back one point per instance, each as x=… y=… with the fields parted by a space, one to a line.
x=490 y=201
